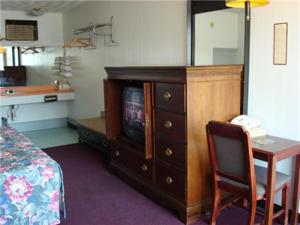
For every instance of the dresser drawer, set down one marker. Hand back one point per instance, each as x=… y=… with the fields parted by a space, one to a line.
x=171 y=180
x=170 y=150
x=170 y=124
x=131 y=160
x=170 y=97
x=93 y=138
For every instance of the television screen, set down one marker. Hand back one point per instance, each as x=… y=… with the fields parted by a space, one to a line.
x=134 y=114
x=13 y=76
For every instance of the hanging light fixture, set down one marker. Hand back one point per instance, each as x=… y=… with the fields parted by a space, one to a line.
x=241 y=3
x=247 y=4
x=2 y=50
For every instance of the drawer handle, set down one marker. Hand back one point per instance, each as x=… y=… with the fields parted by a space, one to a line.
x=117 y=153
x=85 y=133
x=104 y=143
x=168 y=152
x=144 y=168
x=169 y=180
x=167 y=96
x=168 y=124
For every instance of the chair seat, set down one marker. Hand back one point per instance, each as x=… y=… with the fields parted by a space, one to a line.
x=262 y=177
x=261 y=174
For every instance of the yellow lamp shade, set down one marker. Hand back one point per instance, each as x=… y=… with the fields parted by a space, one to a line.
x=2 y=50
x=241 y=3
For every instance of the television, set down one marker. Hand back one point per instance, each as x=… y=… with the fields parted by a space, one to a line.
x=13 y=76
x=133 y=114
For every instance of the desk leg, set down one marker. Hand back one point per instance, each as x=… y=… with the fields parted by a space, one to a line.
x=296 y=194
x=270 y=192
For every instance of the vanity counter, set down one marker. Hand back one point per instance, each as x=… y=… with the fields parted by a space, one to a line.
x=35 y=107
x=33 y=94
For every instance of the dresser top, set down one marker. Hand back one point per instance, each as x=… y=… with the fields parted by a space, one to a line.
x=171 y=73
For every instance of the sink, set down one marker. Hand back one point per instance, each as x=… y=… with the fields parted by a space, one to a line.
x=10 y=91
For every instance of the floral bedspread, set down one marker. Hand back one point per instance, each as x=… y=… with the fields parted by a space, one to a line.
x=31 y=183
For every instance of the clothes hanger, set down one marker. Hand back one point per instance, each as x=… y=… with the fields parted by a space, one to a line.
x=30 y=50
x=77 y=42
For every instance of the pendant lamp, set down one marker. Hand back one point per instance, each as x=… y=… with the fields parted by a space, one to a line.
x=2 y=50
x=247 y=4
x=241 y=3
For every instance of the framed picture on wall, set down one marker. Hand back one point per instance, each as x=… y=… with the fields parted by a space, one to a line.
x=280 y=43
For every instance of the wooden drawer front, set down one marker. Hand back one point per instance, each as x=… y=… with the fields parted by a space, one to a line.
x=171 y=181
x=132 y=161
x=91 y=136
x=170 y=150
x=170 y=124
x=170 y=97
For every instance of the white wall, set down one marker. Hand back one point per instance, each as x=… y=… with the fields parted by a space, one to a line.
x=37 y=112
x=222 y=29
x=50 y=31
x=274 y=95
x=150 y=33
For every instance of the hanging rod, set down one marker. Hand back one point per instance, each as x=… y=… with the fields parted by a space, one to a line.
x=92 y=28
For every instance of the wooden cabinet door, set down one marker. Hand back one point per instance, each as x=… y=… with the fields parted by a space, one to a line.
x=148 y=120
x=112 y=102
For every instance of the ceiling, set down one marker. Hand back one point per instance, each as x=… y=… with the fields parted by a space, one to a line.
x=45 y=6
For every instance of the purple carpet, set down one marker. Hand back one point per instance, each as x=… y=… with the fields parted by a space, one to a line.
x=95 y=197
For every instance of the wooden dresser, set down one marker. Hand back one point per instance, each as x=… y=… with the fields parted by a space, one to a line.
x=173 y=166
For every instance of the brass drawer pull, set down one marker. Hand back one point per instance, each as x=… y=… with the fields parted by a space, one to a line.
x=168 y=124
x=144 y=168
x=85 y=133
x=168 y=152
x=104 y=143
x=117 y=153
x=167 y=96
x=169 y=180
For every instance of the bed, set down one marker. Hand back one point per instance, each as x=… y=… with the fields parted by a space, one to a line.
x=31 y=183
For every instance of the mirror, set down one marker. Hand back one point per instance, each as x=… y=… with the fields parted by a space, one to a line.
x=26 y=66
x=219 y=37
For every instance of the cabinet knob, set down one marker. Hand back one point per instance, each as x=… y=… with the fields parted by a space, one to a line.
x=168 y=152
x=104 y=143
x=168 y=124
x=85 y=133
x=169 y=180
x=144 y=168
x=167 y=96
x=117 y=153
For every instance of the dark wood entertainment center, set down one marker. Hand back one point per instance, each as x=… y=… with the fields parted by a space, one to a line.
x=173 y=165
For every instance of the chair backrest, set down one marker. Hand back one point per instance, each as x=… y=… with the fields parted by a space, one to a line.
x=230 y=150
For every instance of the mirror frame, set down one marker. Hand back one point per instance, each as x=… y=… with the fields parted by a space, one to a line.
x=201 y=6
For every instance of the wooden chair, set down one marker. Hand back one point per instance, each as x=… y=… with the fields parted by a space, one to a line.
x=233 y=170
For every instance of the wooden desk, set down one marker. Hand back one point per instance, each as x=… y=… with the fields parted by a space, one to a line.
x=92 y=131
x=273 y=149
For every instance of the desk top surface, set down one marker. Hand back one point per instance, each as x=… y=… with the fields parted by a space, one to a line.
x=271 y=145
x=96 y=124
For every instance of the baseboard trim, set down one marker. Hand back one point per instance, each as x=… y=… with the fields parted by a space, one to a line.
x=39 y=125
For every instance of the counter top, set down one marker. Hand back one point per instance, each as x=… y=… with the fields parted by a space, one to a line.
x=32 y=90
x=33 y=94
